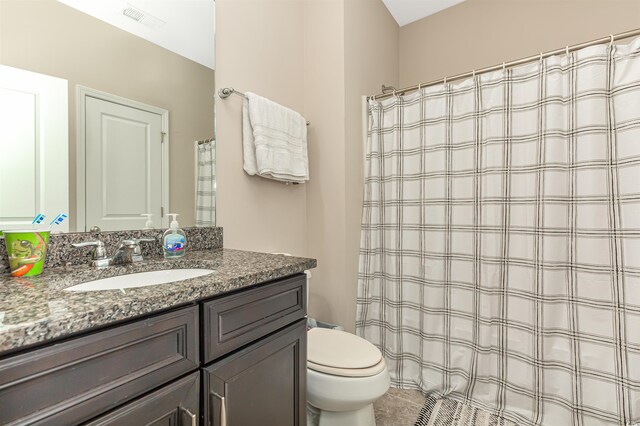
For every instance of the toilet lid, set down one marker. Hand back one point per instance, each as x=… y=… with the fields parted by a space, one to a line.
x=340 y=350
x=349 y=372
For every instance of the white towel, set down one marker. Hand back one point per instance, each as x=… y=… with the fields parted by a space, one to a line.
x=274 y=140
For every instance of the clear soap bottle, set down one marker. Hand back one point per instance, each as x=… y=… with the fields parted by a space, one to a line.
x=174 y=240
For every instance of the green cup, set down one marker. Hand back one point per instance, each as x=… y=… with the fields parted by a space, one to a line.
x=27 y=251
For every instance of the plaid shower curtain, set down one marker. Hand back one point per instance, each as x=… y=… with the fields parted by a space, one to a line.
x=206 y=184
x=500 y=247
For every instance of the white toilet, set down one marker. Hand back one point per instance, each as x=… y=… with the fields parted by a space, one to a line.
x=345 y=375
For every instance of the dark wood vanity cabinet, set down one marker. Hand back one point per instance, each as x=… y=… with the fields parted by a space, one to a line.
x=249 y=379
x=72 y=381
x=238 y=359
x=260 y=385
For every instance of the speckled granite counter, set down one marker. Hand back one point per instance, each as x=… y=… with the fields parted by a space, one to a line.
x=37 y=309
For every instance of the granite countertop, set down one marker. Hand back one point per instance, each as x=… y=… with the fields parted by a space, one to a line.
x=37 y=309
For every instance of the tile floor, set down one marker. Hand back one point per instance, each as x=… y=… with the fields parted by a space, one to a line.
x=398 y=407
x=401 y=408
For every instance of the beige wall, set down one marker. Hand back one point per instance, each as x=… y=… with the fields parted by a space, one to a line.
x=325 y=108
x=50 y=38
x=318 y=57
x=259 y=48
x=481 y=33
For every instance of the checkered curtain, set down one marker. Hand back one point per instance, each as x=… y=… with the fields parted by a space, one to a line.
x=500 y=248
x=206 y=185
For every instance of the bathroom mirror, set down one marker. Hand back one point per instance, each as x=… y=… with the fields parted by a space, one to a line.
x=135 y=108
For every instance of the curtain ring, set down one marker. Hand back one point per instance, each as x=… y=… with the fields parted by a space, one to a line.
x=419 y=86
x=611 y=40
x=394 y=92
x=504 y=66
x=473 y=74
x=540 y=56
x=445 y=80
x=566 y=50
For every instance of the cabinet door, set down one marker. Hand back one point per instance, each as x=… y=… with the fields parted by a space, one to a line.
x=264 y=384
x=175 y=404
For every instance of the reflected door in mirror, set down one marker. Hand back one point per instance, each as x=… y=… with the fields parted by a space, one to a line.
x=34 y=176
x=123 y=165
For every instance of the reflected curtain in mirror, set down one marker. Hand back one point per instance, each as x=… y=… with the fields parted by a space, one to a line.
x=206 y=184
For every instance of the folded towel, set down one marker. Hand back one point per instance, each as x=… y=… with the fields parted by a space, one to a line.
x=274 y=140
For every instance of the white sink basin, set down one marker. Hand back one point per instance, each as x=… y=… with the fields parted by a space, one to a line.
x=141 y=279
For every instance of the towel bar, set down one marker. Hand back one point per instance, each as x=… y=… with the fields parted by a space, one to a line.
x=225 y=92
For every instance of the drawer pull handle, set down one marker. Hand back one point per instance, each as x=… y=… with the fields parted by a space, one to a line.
x=194 y=419
x=223 y=409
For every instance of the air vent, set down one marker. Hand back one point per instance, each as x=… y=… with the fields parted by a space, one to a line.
x=134 y=14
x=142 y=17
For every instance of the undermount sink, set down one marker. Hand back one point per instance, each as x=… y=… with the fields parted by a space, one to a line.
x=141 y=279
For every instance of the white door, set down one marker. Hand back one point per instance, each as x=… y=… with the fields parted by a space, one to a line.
x=123 y=170
x=34 y=138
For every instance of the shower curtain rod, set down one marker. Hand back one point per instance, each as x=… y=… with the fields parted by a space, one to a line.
x=610 y=39
x=202 y=142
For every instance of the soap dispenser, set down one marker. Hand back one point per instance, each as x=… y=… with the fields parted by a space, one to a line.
x=174 y=240
x=149 y=223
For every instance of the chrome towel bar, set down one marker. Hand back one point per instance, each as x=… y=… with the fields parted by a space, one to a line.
x=225 y=92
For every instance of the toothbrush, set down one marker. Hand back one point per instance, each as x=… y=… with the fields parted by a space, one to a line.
x=58 y=220
x=38 y=219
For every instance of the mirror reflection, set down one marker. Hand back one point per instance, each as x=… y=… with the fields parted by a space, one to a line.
x=102 y=105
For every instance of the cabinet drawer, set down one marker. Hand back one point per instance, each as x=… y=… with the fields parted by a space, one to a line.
x=233 y=321
x=73 y=381
x=174 y=404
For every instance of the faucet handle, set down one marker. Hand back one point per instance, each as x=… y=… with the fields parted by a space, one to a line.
x=99 y=253
x=137 y=251
x=131 y=242
x=136 y=242
x=97 y=244
x=144 y=240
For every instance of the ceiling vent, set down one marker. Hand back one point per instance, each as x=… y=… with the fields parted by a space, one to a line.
x=142 y=17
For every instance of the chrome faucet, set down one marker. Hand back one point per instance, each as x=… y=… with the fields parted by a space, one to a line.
x=124 y=253
x=128 y=252
x=99 y=257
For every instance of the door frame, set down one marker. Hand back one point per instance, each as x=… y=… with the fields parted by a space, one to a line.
x=82 y=93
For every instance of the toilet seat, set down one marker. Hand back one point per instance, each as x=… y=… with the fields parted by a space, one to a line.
x=344 y=354
x=348 y=372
